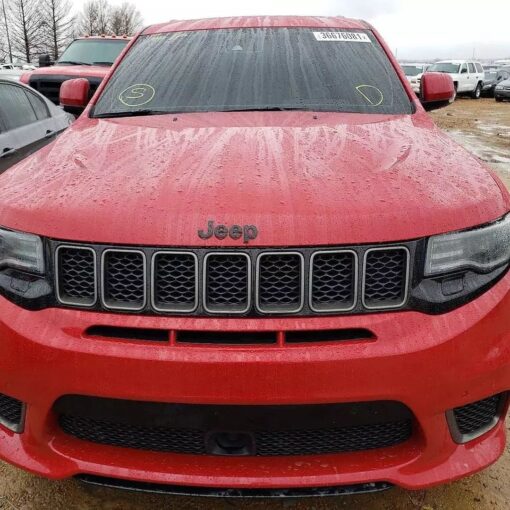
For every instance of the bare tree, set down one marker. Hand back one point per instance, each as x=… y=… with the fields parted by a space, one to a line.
x=5 y=39
x=3 y=50
x=95 y=17
x=58 y=24
x=125 y=19
x=88 y=18
x=103 y=16
x=25 y=25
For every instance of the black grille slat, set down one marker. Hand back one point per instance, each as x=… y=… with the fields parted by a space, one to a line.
x=124 y=279
x=385 y=278
x=76 y=276
x=280 y=282
x=473 y=417
x=11 y=410
x=175 y=281
x=227 y=283
x=333 y=283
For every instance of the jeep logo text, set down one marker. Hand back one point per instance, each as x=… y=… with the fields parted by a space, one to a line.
x=247 y=232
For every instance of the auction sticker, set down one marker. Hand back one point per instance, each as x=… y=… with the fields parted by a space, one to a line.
x=342 y=36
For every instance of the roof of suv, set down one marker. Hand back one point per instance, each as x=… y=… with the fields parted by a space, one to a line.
x=456 y=61
x=255 y=22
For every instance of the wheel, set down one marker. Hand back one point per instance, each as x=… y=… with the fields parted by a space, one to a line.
x=454 y=92
x=477 y=92
x=499 y=99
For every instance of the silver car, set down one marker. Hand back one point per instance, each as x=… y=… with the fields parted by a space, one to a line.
x=502 y=91
x=28 y=121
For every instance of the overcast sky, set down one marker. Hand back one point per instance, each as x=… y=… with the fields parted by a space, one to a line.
x=416 y=29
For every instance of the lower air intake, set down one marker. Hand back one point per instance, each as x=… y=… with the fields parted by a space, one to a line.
x=264 y=431
x=476 y=417
x=11 y=413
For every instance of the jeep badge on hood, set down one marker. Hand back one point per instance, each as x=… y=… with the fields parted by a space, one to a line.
x=247 y=232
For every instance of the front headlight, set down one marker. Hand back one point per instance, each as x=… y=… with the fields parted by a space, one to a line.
x=482 y=249
x=21 y=251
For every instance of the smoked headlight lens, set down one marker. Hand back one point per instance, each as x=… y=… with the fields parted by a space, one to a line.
x=483 y=249
x=21 y=251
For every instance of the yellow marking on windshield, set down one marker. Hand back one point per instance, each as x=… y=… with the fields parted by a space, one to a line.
x=137 y=95
x=370 y=100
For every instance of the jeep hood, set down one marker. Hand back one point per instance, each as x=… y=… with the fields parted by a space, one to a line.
x=301 y=178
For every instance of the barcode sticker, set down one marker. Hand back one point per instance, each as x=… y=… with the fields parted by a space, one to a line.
x=342 y=36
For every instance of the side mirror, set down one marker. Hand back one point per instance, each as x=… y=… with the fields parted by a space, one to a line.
x=437 y=90
x=74 y=95
x=464 y=71
x=45 y=60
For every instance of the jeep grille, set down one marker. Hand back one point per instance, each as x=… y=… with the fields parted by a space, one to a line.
x=233 y=282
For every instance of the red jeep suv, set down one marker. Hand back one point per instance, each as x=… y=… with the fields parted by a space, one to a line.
x=254 y=266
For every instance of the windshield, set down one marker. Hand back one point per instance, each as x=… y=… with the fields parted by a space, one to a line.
x=444 y=68
x=93 y=51
x=255 y=69
x=412 y=70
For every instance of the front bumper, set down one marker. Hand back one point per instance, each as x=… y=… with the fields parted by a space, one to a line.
x=504 y=94
x=430 y=363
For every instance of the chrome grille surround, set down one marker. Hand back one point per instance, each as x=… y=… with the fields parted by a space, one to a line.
x=355 y=277
x=225 y=310
x=126 y=304
x=284 y=309
x=153 y=285
x=405 y=277
x=303 y=301
x=74 y=301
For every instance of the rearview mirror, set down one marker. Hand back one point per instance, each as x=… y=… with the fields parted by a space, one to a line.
x=437 y=90
x=74 y=95
x=45 y=60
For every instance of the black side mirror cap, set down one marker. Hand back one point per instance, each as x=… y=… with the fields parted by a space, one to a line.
x=45 y=60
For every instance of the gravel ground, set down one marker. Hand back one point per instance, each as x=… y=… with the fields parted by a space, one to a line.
x=484 y=127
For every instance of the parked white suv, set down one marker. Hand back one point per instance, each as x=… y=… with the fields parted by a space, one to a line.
x=414 y=73
x=467 y=75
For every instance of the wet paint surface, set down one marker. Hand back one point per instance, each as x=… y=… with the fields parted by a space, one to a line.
x=256 y=21
x=74 y=71
x=302 y=179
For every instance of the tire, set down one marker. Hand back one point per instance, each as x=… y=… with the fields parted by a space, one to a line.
x=499 y=100
x=476 y=94
x=455 y=85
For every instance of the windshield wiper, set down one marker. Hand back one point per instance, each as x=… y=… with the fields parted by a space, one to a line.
x=130 y=113
x=73 y=63
x=268 y=109
x=139 y=113
x=102 y=63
